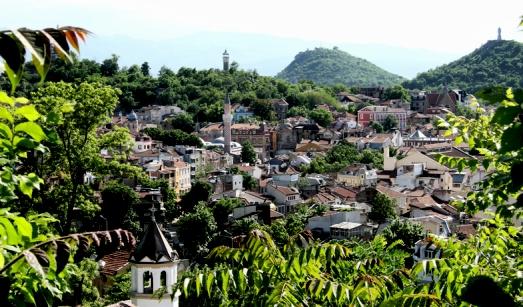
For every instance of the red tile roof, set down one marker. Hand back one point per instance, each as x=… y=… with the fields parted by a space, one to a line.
x=116 y=261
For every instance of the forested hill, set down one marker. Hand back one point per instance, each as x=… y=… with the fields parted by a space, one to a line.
x=494 y=63
x=332 y=66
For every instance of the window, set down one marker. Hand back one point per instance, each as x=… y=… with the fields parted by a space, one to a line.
x=147 y=282
x=163 y=279
x=429 y=254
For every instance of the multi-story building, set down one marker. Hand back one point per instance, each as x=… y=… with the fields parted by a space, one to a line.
x=182 y=183
x=378 y=114
x=241 y=112
x=284 y=197
x=193 y=156
x=155 y=114
x=358 y=175
x=257 y=135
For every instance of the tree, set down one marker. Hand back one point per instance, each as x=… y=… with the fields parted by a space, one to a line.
x=396 y=92
x=321 y=117
x=390 y=123
x=377 y=127
x=173 y=137
x=409 y=233
x=298 y=111
x=145 y=69
x=249 y=182
x=182 y=121
x=372 y=156
x=110 y=67
x=263 y=109
x=498 y=138
x=222 y=208
x=196 y=229
x=200 y=191
x=470 y=270
x=383 y=208
x=248 y=153
x=73 y=113
x=303 y=272
x=120 y=206
x=35 y=264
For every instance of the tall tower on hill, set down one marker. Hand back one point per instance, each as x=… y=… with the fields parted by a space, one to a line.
x=227 y=116
x=499 y=34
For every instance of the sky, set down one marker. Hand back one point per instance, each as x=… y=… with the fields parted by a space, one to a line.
x=444 y=25
x=451 y=26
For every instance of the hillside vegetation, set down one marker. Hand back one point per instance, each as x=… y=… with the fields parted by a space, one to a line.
x=495 y=63
x=332 y=66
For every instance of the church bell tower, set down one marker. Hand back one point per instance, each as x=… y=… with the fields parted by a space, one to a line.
x=154 y=264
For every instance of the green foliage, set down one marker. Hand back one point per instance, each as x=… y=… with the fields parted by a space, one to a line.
x=19 y=134
x=390 y=123
x=377 y=127
x=34 y=266
x=263 y=109
x=322 y=117
x=16 y=43
x=498 y=138
x=333 y=66
x=120 y=206
x=249 y=182
x=200 y=192
x=396 y=92
x=383 y=208
x=494 y=63
x=298 y=111
x=341 y=156
x=495 y=252
x=312 y=98
x=371 y=156
x=173 y=137
x=303 y=272
x=119 y=291
x=73 y=114
x=409 y=233
x=248 y=153
x=197 y=229
x=222 y=208
x=183 y=122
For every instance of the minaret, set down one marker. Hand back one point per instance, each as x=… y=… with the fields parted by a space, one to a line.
x=154 y=264
x=499 y=34
x=227 y=116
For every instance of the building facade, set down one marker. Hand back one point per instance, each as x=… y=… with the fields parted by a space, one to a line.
x=378 y=114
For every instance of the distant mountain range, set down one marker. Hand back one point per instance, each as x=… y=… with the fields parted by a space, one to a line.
x=332 y=66
x=267 y=54
x=494 y=63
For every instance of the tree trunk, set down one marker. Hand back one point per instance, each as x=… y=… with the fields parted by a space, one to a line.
x=76 y=181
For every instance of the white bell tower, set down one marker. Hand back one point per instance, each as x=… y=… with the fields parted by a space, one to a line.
x=154 y=264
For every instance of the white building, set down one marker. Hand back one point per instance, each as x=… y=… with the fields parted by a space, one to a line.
x=284 y=197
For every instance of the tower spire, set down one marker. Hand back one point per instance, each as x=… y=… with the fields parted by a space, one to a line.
x=227 y=116
x=499 y=33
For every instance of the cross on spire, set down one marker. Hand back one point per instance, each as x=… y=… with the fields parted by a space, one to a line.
x=153 y=210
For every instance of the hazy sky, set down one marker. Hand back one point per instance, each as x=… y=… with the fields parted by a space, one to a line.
x=444 y=25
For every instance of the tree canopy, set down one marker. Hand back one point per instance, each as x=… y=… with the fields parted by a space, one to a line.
x=334 y=66
x=494 y=63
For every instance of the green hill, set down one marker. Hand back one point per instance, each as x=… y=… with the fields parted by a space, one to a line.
x=494 y=63
x=331 y=66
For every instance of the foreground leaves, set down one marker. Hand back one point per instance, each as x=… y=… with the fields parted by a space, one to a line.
x=41 y=44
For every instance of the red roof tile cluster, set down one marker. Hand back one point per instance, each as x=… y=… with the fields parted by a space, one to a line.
x=115 y=262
